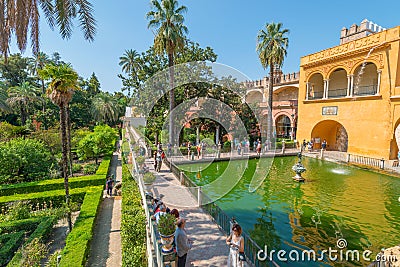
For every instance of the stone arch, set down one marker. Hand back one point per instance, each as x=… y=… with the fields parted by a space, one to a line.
x=337 y=83
x=335 y=68
x=333 y=132
x=395 y=141
x=283 y=126
x=316 y=86
x=254 y=96
x=365 y=79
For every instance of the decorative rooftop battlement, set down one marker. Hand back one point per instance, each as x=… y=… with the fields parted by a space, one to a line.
x=355 y=32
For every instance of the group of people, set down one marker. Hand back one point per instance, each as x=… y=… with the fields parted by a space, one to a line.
x=181 y=241
x=309 y=145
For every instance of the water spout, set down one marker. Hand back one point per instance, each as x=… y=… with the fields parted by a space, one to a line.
x=361 y=72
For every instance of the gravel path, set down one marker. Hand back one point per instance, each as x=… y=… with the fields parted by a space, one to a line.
x=106 y=244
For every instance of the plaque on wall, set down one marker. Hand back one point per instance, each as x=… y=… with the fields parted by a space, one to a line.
x=330 y=110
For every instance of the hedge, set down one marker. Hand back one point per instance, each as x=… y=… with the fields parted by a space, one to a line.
x=57 y=197
x=49 y=185
x=77 y=246
x=133 y=223
x=19 y=225
x=8 y=247
x=58 y=184
x=42 y=232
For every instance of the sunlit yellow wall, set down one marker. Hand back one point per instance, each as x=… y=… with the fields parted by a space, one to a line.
x=370 y=121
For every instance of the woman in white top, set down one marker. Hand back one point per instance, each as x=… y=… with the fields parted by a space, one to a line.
x=236 y=245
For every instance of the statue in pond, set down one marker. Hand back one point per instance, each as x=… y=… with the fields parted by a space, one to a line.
x=298 y=168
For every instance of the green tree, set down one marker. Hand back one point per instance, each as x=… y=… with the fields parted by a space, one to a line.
x=167 y=18
x=93 y=87
x=272 y=45
x=106 y=109
x=21 y=17
x=63 y=82
x=100 y=142
x=21 y=97
x=24 y=160
x=14 y=71
x=128 y=61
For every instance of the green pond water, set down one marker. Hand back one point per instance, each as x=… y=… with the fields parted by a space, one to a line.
x=336 y=201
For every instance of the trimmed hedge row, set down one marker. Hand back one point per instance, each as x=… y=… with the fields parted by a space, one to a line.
x=8 y=244
x=42 y=232
x=57 y=197
x=58 y=184
x=77 y=246
x=27 y=225
x=133 y=223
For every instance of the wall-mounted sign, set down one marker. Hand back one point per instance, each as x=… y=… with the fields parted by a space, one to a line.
x=331 y=110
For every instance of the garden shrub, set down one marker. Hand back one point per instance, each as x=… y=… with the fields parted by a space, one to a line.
x=33 y=253
x=76 y=168
x=24 y=160
x=89 y=168
x=27 y=225
x=77 y=246
x=9 y=243
x=133 y=223
x=41 y=233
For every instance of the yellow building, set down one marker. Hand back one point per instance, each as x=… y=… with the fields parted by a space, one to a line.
x=350 y=94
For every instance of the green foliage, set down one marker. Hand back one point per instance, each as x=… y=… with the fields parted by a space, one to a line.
x=55 y=184
x=18 y=211
x=52 y=261
x=133 y=227
x=9 y=131
x=76 y=168
x=100 y=142
x=33 y=253
x=27 y=225
x=149 y=178
x=90 y=168
x=51 y=138
x=140 y=160
x=57 y=197
x=76 y=249
x=166 y=224
x=9 y=243
x=24 y=160
x=41 y=233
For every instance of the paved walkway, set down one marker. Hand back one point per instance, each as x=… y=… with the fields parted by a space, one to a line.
x=209 y=247
x=106 y=242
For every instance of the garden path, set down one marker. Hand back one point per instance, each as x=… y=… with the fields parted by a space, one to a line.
x=106 y=243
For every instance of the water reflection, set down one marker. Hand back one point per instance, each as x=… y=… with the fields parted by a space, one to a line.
x=340 y=202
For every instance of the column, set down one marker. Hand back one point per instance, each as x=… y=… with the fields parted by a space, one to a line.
x=351 y=85
x=348 y=85
x=307 y=90
x=379 y=82
x=326 y=88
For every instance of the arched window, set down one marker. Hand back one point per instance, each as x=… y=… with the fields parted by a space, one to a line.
x=365 y=79
x=315 y=86
x=283 y=126
x=337 y=86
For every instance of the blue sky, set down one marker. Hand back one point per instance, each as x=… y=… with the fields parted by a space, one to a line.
x=230 y=27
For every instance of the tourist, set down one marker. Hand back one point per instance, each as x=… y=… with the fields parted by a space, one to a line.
x=304 y=145
x=323 y=145
x=239 y=148
x=183 y=245
x=169 y=149
x=283 y=146
x=236 y=247
x=161 y=212
x=158 y=161
x=109 y=186
x=258 y=148
x=175 y=212
x=198 y=151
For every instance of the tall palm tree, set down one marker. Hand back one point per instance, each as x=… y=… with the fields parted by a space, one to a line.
x=37 y=63
x=272 y=45
x=21 y=96
x=63 y=82
x=22 y=17
x=105 y=108
x=167 y=18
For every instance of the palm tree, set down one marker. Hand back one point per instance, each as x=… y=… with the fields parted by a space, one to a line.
x=167 y=18
x=272 y=45
x=105 y=108
x=37 y=63
x=128 y=61
x=21 y=96
x=64 y=80
x=22 y=17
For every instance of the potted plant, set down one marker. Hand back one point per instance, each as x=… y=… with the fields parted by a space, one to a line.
x=166 y=228
x=148 y=180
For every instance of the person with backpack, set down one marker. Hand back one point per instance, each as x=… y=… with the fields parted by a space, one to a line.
x=109 y=186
